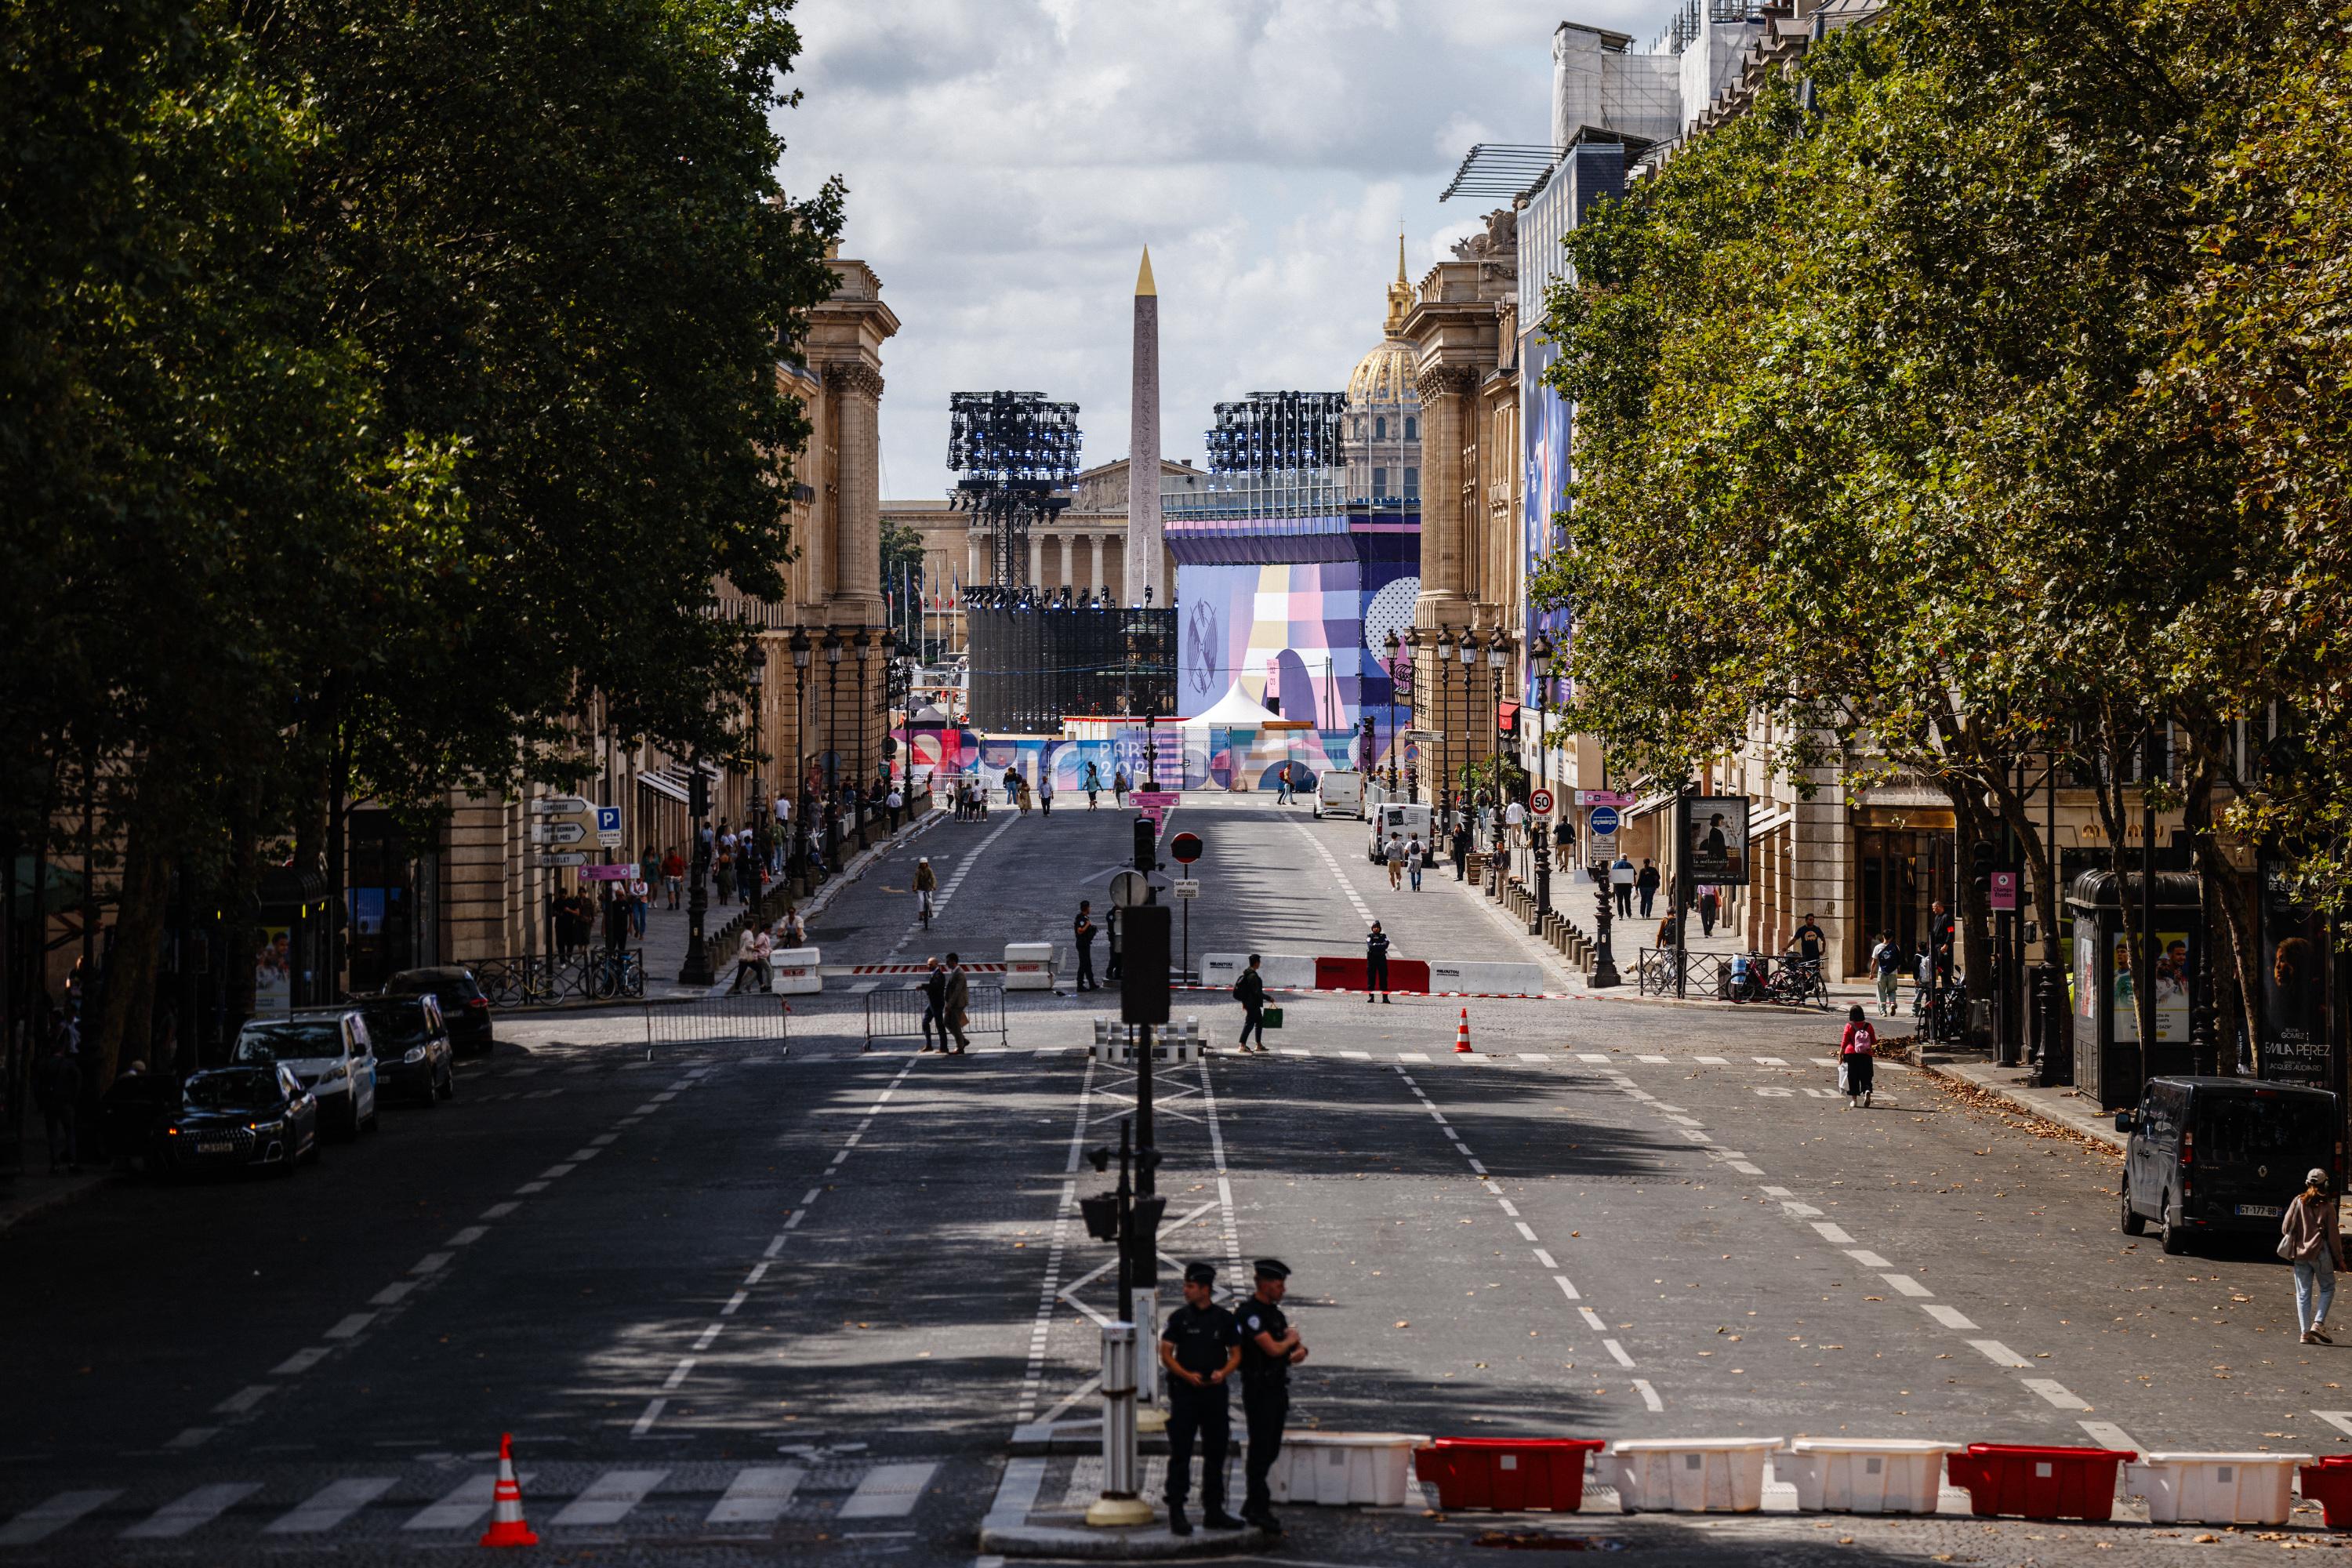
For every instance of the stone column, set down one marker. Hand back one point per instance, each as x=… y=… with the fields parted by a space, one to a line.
x=1064 y=583
x=1096 y=580
x=1037 y=562
x=1445 y=392
x=975 y=569
x=858 y=562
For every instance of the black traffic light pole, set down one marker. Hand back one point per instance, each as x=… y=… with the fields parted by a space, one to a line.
x=697 y=970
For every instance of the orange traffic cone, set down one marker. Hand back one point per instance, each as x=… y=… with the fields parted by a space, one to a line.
x=507 y=1528
x=1462 y=1034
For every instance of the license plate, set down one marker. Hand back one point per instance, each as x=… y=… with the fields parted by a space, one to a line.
x=2261 y=1211
x=220 y=1148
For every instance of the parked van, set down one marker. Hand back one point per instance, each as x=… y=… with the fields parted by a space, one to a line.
x=1404 y=820
x=1339 y=793
x=2223 y=1154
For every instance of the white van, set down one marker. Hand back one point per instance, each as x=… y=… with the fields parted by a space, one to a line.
x=1404 y=821
x=1339 y=793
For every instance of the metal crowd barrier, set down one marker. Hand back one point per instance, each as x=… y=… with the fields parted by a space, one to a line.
x=754 y=1018
x=895 y=1013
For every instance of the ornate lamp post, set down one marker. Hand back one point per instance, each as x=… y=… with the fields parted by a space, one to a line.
x=888 y=643
x=1441 y=794
x=1498 y=655
x=763 y=823
x=1539 y=650
x=1469 y=646
x=864 y=643
x=1391 y=647
x=800 y=644
x=832 y=646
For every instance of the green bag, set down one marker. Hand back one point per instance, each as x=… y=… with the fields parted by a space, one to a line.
x=1271 y=1017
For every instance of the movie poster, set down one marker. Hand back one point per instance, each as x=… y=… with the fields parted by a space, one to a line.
x=273 y=974
x=1718 y=840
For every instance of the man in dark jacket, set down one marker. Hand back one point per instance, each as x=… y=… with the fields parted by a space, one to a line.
x=1460 y=844
x=935 y=1005
x=1082 y=937
x=955 y=1002
x=1646 y=884
x=1250 y=992
x=1376 y=962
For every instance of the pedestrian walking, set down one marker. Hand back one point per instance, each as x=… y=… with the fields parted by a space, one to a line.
x=747 y=960
x=955 y=1004
x=617 y=922
x=895 y=803
x=2309 y=1238
x=927 y=884
x=1094 y=786
x=1270 y=1348
x=1413 y=857
x=673 y=876
x=1082 y=937
x=1857 y=1065
x=1886 y=968
x=1250 y=992
x=1118 y=787
x=1394 y=855
x=1022 y=795
x=1458 y=841
x=1646 y=884
x=1376 y=962
x=726 y=871
x=935 y=1005
x=1044 y=790
x=1200 y=1347
x=57 y=1091
x=1709 y=901
x=1282 y=785
x=1621 y=879
x=649 y=866
x=1011 y=786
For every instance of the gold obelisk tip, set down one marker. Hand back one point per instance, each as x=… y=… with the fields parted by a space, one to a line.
x=1400 y=278
x=1144 y=284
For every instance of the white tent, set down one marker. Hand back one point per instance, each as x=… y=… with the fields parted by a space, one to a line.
x=1236 y=710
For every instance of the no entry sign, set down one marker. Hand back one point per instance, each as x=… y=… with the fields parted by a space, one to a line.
x=1185 y=847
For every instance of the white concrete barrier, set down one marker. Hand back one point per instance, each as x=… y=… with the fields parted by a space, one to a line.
x=1893 y=1475
x=1363 y=1470
x=1028 y=966
x=1289 y=970
x=1690 y=1475
x=1478 y=978
x=793 y=970
x=2215 y=1489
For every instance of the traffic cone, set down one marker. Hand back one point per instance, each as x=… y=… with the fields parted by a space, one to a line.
x=507 y=1528
x=1462 y=1034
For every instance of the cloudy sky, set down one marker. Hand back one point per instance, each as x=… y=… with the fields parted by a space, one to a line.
x=1007 y=160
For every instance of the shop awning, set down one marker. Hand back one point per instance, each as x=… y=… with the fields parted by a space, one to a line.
x=663 y=784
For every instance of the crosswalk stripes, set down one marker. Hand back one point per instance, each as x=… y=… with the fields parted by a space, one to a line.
x=756 y=1496
x=44 y=1520
x=329 y=1505
x=609 y=1498
x=888 y=1491
x=183 y=1514
x=466 y=1506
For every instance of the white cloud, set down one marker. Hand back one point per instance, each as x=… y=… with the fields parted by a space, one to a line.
x=1007 y=158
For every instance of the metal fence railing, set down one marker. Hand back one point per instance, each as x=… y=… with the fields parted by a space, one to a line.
x=1706 y=973
x=546 y=980
x=896 y=1013
x=754 y=1018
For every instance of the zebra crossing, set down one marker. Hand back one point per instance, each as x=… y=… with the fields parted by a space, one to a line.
x=420 y=1503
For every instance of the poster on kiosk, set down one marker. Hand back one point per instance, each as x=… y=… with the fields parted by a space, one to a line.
x=1719 y=839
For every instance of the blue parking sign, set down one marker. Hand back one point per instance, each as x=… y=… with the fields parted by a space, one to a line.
x=1605 y=820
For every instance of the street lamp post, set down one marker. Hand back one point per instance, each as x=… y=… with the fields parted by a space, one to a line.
x=832 y=646
x=1391 y=645
x=1540 y=651
x=764 y=825
x=1441 y=796
x=1498 y=655
x=1469 y=662
x=863 y=641
x=800 y=645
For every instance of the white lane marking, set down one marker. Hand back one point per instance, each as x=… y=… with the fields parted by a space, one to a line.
x=1617 y=1351
x=244 y=1399
x=496 y=1211
x=1592 y=1319
x=1710 y=1061
x=1998 y=1354
x=1545 y=1258
x=1525 y=1231
x=1597 y=1057
x=734 y=1303
x=1951 y=1317
x=44 y=1520
x=1411 y=1057
x=1904 y=1284
x=1649 y=1395
x=392 y=1293
x=603 y=1138
x=1566 y=1289
x=1744 y=1168
x=2339 y=1419
x=610 y=1496
x=758 y=1495
x=1508 y=1208
x=1686 y=1120
x=888 y=1491
x=1050 y=1295
x=463 y=1506
x=580 y=1156
x=1832 y=1233
x=1775 y=1192
x=1769 y=1062
x=1653 y=1058
x=678 y=1374
x=183 y=1514
x=194 y=1438
x=1482 y=1171
x=1356 y=1055
x=431 y=1263
x=329 y=1505
x=1533 y=1057
x=1332 y=865
x=350 y=1327
x=2107 y=1435
x=2056 y=1393
x=300 y=1361
x=758 y=1272
x=645 y=1422
x=552 y=1172
x=702 y=1340
x=529 y=1187
x=1868 y=1259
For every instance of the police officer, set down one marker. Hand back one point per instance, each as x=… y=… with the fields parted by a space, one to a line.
x=1200 y=1346
x=1270 y=1348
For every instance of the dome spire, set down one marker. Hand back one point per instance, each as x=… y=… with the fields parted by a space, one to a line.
x=1400 y=253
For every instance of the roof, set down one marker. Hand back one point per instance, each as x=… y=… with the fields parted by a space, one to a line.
x=1235 y=711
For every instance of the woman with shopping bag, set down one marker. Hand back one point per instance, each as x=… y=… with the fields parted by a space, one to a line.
x=1857 y=1065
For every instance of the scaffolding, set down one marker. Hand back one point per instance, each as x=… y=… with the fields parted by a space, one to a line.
x=1273 y=432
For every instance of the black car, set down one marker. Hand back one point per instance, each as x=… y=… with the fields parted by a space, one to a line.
x=412 y=1053
x=463 y=1006
x=235 y=1117
x=138 y=1106
x=2220 y=1155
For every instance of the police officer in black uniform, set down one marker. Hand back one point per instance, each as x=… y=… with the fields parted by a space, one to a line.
x=1200 y=1346
x=1270 y=1348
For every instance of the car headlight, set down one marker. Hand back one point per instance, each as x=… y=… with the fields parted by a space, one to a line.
x=266 y=1127
x=333 y=1073
x=413 y=1055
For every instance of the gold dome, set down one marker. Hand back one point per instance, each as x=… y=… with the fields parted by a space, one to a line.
x=1384 y=376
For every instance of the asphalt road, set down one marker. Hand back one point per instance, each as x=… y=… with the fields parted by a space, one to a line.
x=751 y=1299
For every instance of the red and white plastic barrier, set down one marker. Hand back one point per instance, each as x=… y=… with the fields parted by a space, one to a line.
x=1416 y=976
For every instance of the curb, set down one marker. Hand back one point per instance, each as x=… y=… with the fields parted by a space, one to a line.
x=71 y=1193
x=1142 y=1544
x=2105 y=1136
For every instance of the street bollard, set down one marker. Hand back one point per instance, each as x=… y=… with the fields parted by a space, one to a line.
x=1149 y=1417
x=1120 y=1505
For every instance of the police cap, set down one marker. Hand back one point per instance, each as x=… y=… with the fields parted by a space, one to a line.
x=1272 y=1268
x=1200 y=1274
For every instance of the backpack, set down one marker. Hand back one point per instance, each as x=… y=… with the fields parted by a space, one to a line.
x=1865 y=1039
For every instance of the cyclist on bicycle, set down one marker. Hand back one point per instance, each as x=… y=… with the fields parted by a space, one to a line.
x=927 y=882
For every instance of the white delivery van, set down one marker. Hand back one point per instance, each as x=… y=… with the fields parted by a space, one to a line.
x=1404 y=821
x=1339 y=793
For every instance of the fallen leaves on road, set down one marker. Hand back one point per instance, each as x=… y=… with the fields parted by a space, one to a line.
x=1404 y=1322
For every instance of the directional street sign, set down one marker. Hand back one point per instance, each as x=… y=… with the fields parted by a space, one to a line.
x=1539 y=802
x=568 y=858
x=1605 y=820
x=558 y=832
x=560 y=805
x=1188 y=886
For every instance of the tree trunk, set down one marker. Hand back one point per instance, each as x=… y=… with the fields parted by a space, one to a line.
x=126 y=1011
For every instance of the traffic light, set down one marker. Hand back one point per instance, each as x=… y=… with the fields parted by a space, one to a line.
x=1147 y=857
x=698 y=795
x=1143 y=963
x=1982 y=857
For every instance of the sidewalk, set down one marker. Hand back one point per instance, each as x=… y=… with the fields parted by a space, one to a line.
x=32 y=1191
x=2015 y=1086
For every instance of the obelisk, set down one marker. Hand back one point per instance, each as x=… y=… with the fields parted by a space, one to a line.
x=1143 y=522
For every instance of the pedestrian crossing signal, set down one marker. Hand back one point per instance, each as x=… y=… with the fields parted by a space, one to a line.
x=1143 y=965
